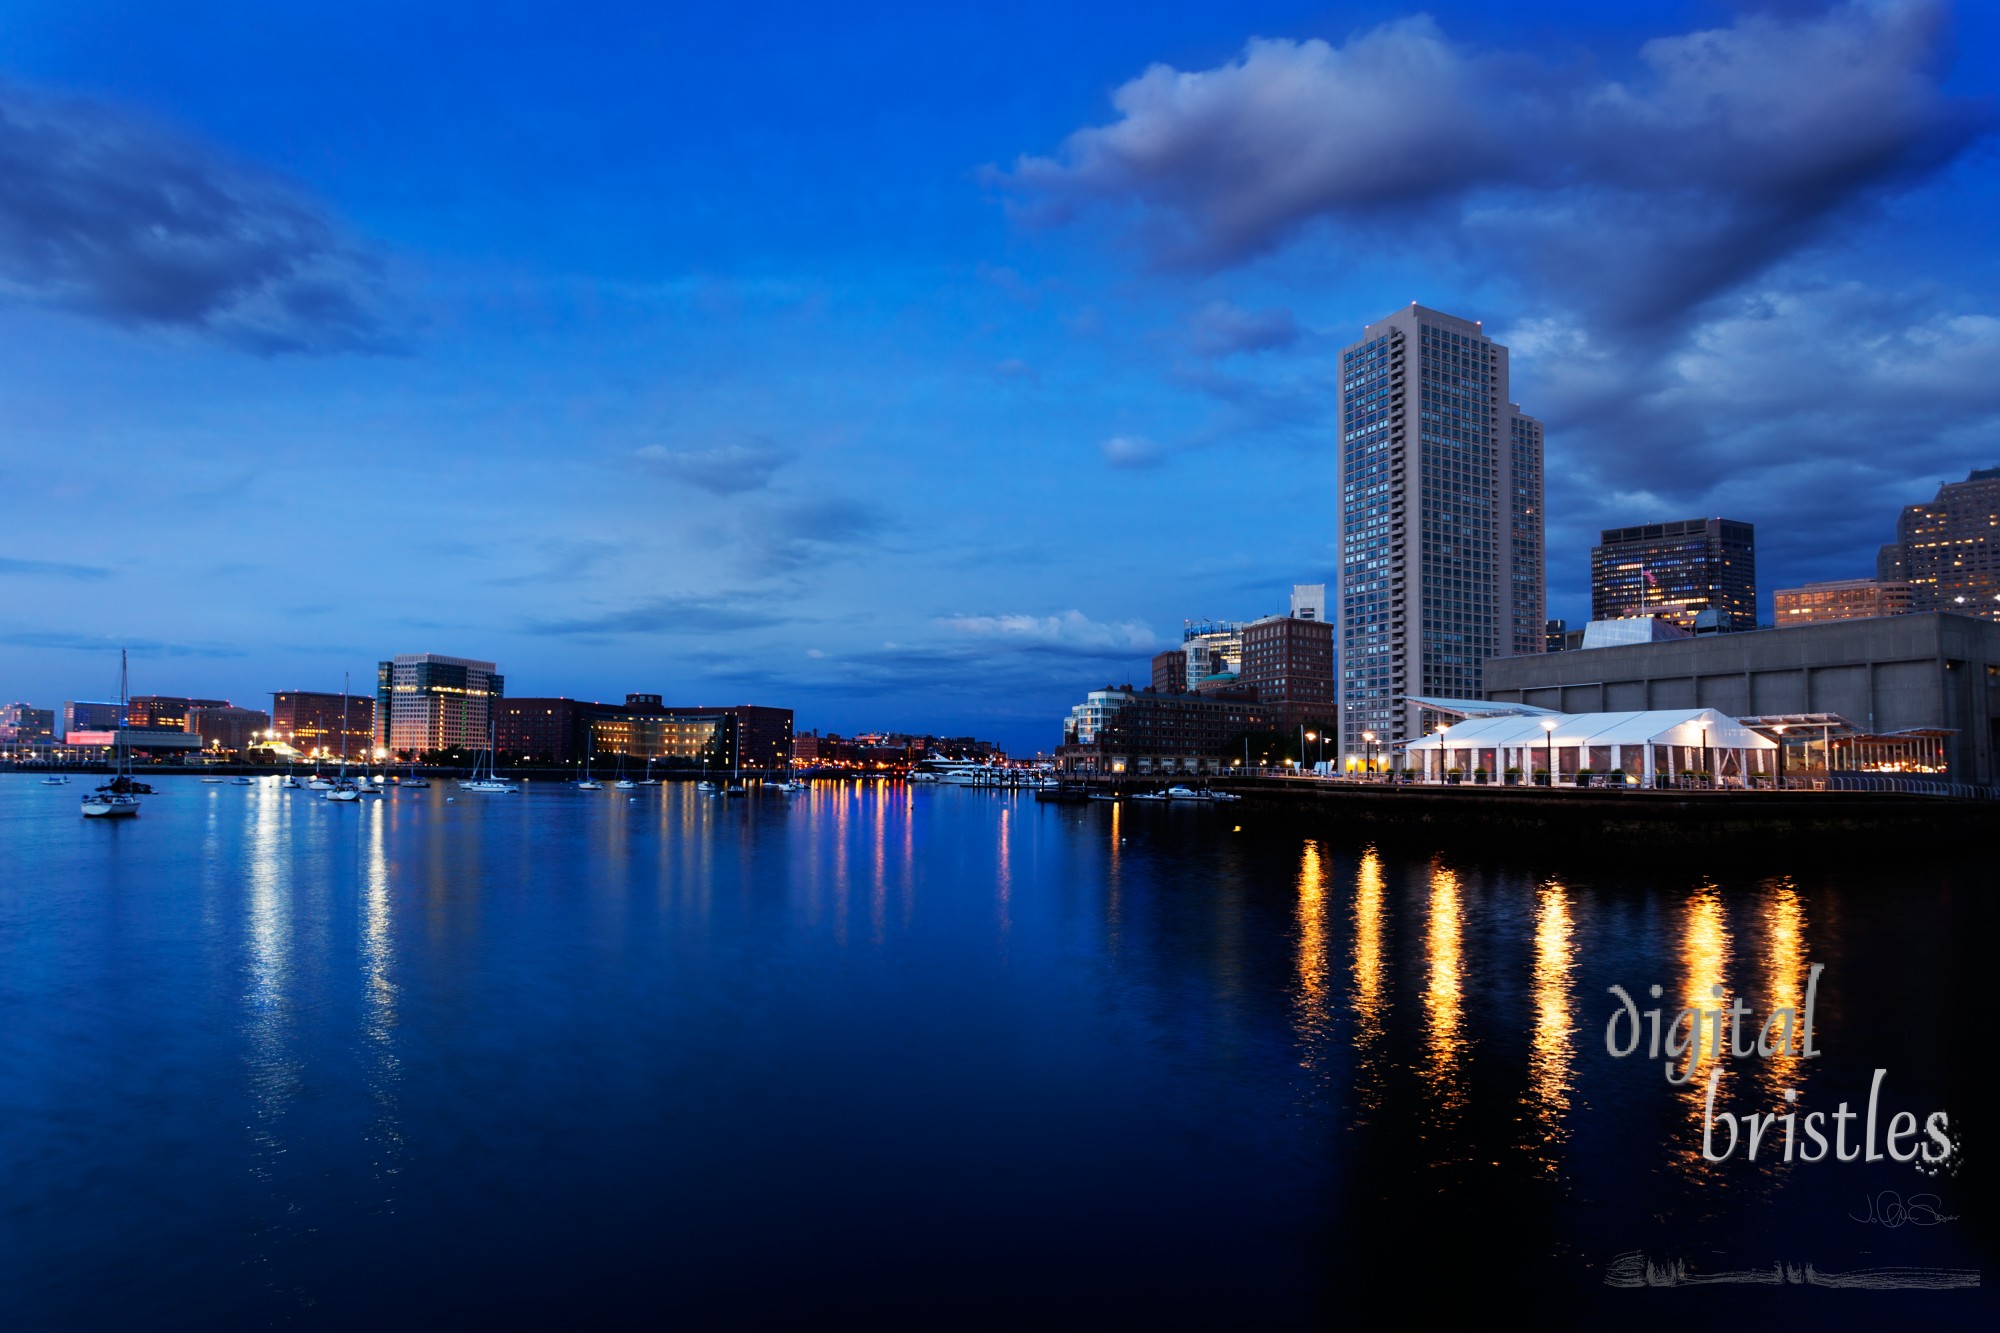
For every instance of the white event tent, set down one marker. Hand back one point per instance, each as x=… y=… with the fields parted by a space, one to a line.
x=1657 y=743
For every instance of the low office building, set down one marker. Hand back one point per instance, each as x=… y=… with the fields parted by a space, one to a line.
x=227 y=728
x=166 y=712
x=1842 y=599
x=318 y=724
x=1122 y=730
x=155 y=742
x=1928 y=674
x=90 y=715
x=25 y=724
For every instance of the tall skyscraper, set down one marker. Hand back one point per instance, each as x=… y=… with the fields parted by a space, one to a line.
x=1440 y=521
x=1949 y=550
x=426 y=702
x=1675 y=571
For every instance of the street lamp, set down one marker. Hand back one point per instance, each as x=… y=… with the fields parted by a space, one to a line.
x=1368 y=754
x=1705 y=778
x=1780 y=729
x=1549 y=749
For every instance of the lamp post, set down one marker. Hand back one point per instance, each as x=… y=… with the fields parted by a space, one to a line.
x=1706 y=779
x=1780 y=729
x=1368 y=756
x=1549 y=749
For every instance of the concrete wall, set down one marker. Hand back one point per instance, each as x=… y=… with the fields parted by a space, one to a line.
x=1888 y=674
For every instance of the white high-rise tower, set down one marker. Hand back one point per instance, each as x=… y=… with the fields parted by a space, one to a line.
x=1440 y=522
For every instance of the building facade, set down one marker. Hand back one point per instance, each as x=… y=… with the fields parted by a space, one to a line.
x=1214 y=652
x=643 y=730
x=1288 y=665
x=1923 y=672
x=25 y=724
x=166 y=711
x=1842 y=599
x=224 y=727
x=425 y=702
x=1677 y=571
x=1948 y=550
x=323 y=725
x=91 y=715
x=1440 y=521
x=1122 y=730
x=1170 y=671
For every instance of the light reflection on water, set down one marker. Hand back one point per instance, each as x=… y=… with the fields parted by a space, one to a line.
x=1552 y=1053
x=494 y=1037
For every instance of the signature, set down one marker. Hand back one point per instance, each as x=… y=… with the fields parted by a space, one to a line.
x=1892 y=1210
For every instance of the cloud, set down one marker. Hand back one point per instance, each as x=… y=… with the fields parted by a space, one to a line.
x=54 y=569
x=675 y=613
x=783 y=535
x=1814 y=409
x=730 y=468
x=1222 y=329
x=1640 y=199
x=86 y=643
x=1131 y=451
x=1069 y=632
x=104 y=214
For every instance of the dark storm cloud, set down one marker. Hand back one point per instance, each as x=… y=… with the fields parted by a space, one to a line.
x=727 y=468
x=54 y=569
x=1825 y=403
x=103 y=214
x=781 y=536
x=1636 y=199
x=677 y=613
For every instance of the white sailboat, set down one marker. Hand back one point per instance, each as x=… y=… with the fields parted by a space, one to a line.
x=491 y=779
x=342 y=789
x=118 y=798
x=587 y=782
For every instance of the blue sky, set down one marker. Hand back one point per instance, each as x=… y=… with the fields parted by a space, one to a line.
x=924 y=369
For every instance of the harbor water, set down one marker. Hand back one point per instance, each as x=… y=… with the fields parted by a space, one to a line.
x=906 y=1056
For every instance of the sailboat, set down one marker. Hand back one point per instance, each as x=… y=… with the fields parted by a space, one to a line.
x=491 y=779
x=290 y=781
x=116 y=799
x=623 y=783
x=413 y=778
x=707 y=783
x=342 y=789
x=587 y=782
x=735 y=787
x=649 y=780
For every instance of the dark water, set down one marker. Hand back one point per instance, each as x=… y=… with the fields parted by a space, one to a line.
x=875 y=1055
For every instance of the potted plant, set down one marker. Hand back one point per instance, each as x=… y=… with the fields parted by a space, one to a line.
x=1412 y=774
x=1479 y=777
x=1584 y=777
x=1454 y=776
x=1512 y=777
x=1616 y=777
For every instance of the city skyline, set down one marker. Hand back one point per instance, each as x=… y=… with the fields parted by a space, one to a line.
x=560 y=347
